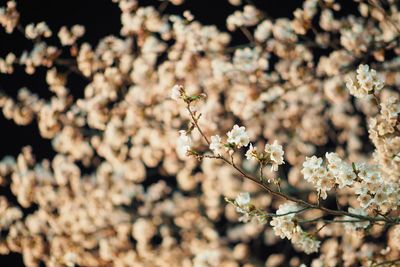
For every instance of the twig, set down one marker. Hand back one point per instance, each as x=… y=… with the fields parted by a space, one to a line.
x=163 y=6
x=247 y=33
x=287 y=197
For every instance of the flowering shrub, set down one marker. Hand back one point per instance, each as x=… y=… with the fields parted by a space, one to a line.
x=292 y=138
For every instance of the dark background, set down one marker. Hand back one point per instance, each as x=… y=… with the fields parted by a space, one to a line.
x=101 y=18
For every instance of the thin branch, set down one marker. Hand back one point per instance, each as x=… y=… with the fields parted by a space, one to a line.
x=247 y=33
x=195 y=124
x=287 y=197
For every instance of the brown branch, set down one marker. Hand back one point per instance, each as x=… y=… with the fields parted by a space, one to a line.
x=284 y=196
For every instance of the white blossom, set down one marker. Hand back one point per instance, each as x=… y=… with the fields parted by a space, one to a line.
x=184 y=144
x=176 y=92
x=275 y=153
x=238 y=136
x=305 y=242
x=243 y=199
x=283 y=224
x=251 y=152
x=216 y=145
x=310 y=165
x=263 y=31
x=367 y=82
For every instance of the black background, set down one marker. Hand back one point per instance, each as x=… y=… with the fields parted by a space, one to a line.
x=101 y=18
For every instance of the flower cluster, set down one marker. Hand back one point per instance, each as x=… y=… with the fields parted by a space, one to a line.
x=367 y=82
x=384 y=133
x=41 y=29
x=283 y=223
x=9 y=16
x=285 y=227
x=183 y=144
x=273 y=154
x=69 y=37
x=372 y=190
x=176 y=92
x=238 y=136
x=243 y=205
x=216 y=145
x=324 y=178
x=126 y=186
x=248 y=17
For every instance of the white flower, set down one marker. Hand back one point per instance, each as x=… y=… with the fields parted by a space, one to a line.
x=354 y=89
x=238 y=136
x=248 y=60
x=305 y=242
x=367 y=81
x=363 y=74
x=365 y=200
x=69 y=259
x=275 y=153
x=334 y=162
x=183 y=144
x=176 y=92
x=283 y=226
x=312 y=162
x=251 y=153
x=381 y=197
x=188 y=15
x=216 y=145
x=208 y=257
x=325 y=183
x=323 y=179
x=370 y=176
x=342 y=171
x=345 y=176
x=249 y=17
x=263 y=31
x=288 y=209
x=235 y=2
x=310 y=165
x=243 y=199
